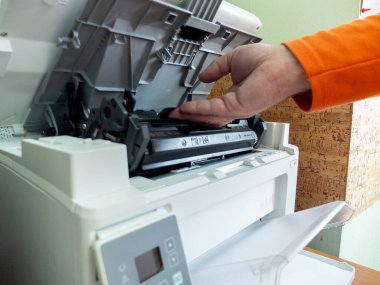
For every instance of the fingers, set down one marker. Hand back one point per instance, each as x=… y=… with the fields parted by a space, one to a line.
x=215 y=112
x=217 y=69
x=215 y=107
x=204 y=119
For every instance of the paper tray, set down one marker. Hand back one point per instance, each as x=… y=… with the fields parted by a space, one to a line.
x=268 y=253
x=313 y=269
x=306 y=268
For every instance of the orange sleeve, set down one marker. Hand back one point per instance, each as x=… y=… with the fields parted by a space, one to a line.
x=341 y=64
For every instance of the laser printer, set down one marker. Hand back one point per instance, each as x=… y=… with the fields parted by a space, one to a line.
x=99 y=187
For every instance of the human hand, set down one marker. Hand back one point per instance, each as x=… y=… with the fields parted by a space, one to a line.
x=262 y=76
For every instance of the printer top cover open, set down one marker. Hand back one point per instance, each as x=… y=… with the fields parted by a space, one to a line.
x=124 y=64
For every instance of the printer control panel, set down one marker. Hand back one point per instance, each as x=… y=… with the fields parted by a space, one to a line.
x=151 y=255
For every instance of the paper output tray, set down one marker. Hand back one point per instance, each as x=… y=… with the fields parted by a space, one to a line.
x=260 y=253
x=313 y=269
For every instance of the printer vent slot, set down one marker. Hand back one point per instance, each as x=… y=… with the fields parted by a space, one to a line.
x=170 y=18
x=204 y=9
x=193 y=34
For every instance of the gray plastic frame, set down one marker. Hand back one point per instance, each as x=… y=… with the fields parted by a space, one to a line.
x=151 y=49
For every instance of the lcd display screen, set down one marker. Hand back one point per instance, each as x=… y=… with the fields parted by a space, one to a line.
x=149 y=264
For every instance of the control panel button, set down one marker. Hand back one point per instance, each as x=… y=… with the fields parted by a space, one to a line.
x=178 y=278
x=124 y=279
x=122 y=267
x=173 y=259
x=170 y=244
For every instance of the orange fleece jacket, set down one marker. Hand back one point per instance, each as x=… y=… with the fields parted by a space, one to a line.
x=341 y=64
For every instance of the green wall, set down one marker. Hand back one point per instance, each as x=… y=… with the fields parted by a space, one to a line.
x=289 y=19
x=361 y=238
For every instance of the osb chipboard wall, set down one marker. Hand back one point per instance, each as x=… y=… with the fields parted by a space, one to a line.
x=331 y=165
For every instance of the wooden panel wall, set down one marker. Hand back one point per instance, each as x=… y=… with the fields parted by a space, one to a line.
x=333 y=153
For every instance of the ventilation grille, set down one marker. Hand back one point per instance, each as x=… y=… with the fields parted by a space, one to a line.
x=6 y=133
x=204 y=9
x=180 y=53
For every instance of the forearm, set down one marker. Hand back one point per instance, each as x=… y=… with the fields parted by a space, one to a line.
x=341 y=64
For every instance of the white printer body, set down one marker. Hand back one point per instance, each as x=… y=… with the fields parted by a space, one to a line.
x=70 y=212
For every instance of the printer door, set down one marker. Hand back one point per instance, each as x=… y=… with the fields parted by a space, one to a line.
x=268 y=253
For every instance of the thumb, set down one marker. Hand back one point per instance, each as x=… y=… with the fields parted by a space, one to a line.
x=217 y=69
x=213 y=107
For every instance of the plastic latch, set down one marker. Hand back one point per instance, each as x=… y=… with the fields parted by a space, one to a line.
x=5 y=54
x=56 y=2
